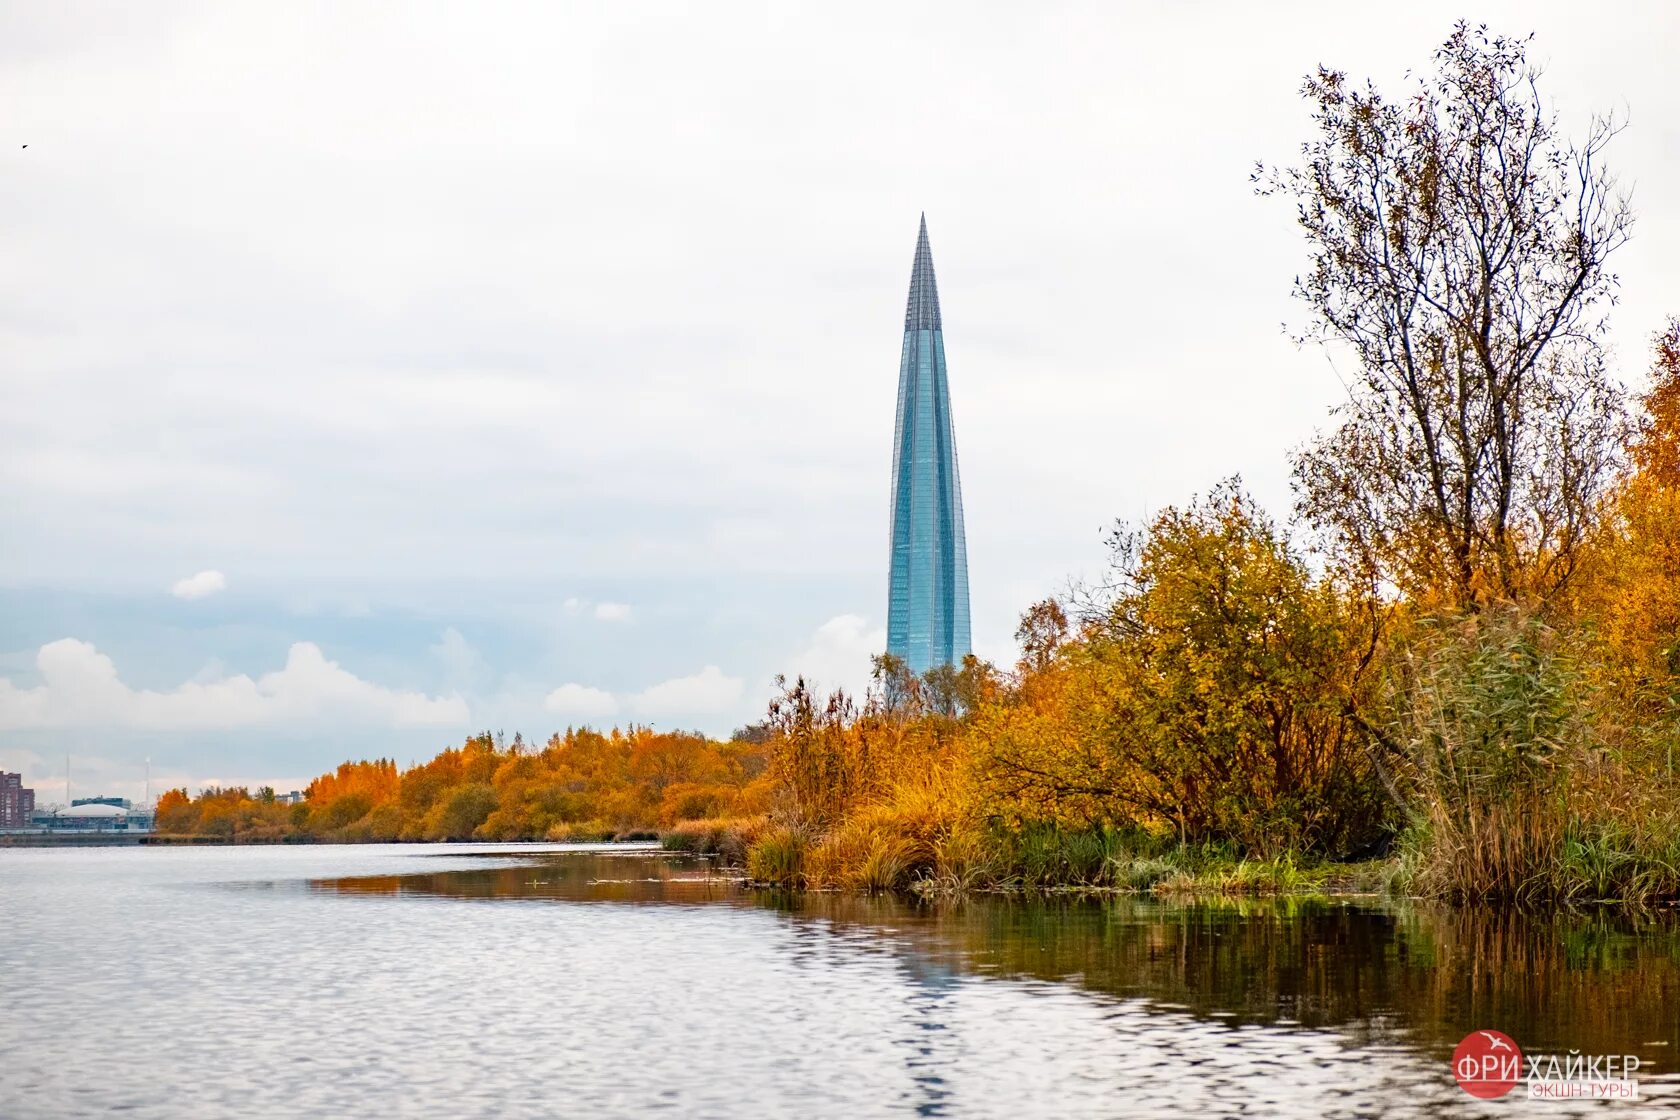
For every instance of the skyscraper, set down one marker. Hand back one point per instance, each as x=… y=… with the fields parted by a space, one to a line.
x=927 y=606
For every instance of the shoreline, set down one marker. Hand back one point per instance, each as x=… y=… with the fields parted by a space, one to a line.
x=1371 y=881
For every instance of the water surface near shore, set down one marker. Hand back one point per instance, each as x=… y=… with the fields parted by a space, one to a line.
x=583 y=981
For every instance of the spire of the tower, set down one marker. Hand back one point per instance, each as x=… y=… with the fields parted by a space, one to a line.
x=921 y=313
x=928 y=621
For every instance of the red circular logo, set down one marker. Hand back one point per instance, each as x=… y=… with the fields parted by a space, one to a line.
x=1487 y=1064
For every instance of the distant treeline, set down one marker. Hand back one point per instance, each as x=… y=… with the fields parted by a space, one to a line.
x=580 y=785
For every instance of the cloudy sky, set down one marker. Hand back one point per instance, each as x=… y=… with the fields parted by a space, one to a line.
x=370 y=374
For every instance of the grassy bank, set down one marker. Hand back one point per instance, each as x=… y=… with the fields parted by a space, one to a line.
x=1051 y=859
x=1037 y=859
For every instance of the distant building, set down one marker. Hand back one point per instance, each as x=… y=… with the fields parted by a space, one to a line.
x=927 y=603
x=117 y=802
x=296 y=797
x=99 y=814
x=17 y=801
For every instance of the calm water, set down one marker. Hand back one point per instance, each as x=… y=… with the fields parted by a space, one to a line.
x=510 y=982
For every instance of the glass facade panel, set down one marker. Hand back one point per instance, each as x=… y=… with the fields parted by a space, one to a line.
x=927 y=607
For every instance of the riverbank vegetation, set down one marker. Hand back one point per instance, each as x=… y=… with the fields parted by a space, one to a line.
x=582 y=785
x=1470 y=660
x=1460 y=658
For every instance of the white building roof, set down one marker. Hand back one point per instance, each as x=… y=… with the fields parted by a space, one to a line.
x=94 y=811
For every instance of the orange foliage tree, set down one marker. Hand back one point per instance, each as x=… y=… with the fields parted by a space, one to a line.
x=580 y=785
x=1633 y=603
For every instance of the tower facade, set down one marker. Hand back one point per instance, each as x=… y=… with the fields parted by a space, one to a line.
x=927 y=605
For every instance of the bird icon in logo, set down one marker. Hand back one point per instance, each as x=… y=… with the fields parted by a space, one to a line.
x=1495 y=1042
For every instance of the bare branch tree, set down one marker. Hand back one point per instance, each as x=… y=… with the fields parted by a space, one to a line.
x=1459 y=247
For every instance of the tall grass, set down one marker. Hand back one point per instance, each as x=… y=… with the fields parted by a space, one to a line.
x=777 y=857
x=1516 y=790
x=728 y=839
x=883 y=848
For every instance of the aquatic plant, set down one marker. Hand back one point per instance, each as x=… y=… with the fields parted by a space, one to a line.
x=777 y=857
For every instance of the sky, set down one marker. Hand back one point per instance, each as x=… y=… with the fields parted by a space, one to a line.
x=375 y=374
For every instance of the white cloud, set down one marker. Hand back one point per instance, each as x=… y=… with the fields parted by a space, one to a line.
x=199 y=586
x=578 y=701
x=839 y=654
x=462 y=663
x=600 y=612
x=80 y=687
x=708 y=692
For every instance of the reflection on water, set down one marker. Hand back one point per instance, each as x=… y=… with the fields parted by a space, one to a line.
x=496 y=982
x=634 y=875
x=1596 y=981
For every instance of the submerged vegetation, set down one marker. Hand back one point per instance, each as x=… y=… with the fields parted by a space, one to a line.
x=1456 y=673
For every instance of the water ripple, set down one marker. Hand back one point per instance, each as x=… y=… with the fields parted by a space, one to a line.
x=326 y=982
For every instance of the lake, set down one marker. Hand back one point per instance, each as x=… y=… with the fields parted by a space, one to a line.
x=542 y=981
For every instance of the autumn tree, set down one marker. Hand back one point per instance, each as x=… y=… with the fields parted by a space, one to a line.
x=175 y=812
x=818 y=757
x=1459 y=247
x=351 y=793
x=582 y=782
x=1636 y=603
x=1214 y=693
x=1043 y=631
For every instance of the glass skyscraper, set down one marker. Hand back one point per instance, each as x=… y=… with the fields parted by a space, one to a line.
x=927 y=606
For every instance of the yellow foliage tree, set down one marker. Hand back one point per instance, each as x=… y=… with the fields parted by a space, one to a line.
x=1216 y=695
